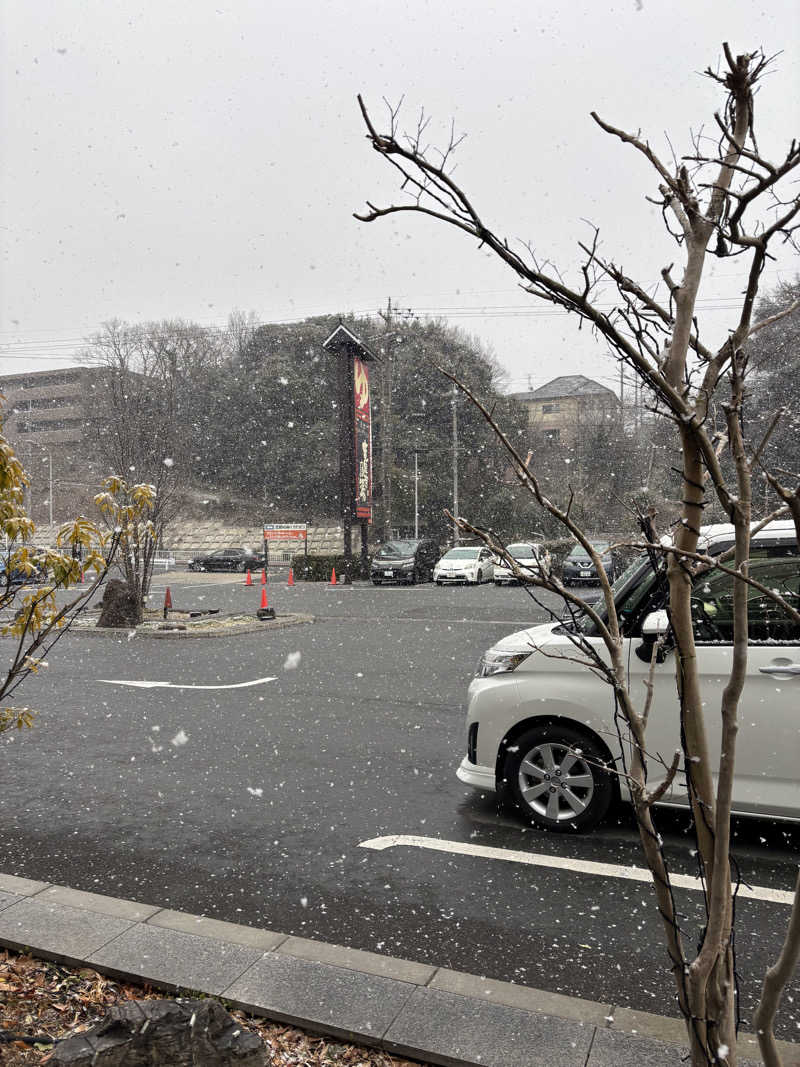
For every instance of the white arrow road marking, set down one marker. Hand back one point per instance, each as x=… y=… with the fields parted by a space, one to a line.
x=538 y=859
x=176 y=685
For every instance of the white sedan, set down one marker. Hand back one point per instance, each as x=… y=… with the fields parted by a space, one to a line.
x=465 y=564
x=533 y=560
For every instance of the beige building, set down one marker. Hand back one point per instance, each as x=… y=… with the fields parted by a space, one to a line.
x=47 y=419
x=558 y=408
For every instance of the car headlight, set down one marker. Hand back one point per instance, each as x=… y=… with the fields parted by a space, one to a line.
x=499 y=662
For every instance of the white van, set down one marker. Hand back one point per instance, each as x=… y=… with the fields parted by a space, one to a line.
x=539 y=723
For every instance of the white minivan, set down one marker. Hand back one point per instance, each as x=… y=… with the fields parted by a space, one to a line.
x=540 y=725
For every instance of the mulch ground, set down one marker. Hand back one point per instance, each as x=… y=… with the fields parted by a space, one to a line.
x=41 y=999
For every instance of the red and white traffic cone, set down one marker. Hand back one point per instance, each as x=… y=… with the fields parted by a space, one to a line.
x=333 y=576
x=290 y=581
x=167 y=601
x=263 y=576
x=265 y=611
x=249 y=579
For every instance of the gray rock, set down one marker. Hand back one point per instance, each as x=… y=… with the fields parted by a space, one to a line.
x=171 y=1033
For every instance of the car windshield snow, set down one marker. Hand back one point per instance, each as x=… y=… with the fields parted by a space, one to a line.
x=521 y=551
x=395 y=549
x=462 y=553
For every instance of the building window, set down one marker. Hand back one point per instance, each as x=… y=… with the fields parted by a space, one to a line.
x=549 y=409
x=48 y=425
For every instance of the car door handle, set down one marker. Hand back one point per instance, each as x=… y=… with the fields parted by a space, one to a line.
x=787 y=668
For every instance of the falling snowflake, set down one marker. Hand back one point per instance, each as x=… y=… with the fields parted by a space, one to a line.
x=180 y=738
x=255 y=792
x=292 y=661
x=169 y=462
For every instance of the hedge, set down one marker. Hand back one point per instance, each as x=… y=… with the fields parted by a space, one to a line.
x=318 y=568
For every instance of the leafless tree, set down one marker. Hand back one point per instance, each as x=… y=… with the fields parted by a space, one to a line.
x=724 y=197
x=140 y=420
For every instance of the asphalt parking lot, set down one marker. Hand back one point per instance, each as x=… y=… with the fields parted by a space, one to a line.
x=258 y=778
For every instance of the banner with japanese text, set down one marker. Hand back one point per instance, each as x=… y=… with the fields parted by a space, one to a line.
x=363 y=441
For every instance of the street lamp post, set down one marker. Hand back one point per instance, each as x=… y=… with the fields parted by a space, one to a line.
x=455 y=468
x=49 y=460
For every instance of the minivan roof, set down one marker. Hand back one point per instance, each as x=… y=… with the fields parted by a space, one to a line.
x=778 y=529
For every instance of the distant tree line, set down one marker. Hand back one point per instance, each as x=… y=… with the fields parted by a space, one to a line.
x=246 y=416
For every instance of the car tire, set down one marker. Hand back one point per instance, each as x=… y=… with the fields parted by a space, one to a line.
x=479 y=578
x=535 y=766
x=376 y=581
x=243 y=568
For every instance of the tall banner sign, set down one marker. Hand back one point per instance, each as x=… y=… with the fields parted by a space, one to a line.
x=363 y=440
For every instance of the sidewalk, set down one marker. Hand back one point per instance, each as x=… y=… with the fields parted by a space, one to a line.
x=410 y=1009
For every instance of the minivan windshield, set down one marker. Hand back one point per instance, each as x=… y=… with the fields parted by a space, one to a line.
x=397 y=549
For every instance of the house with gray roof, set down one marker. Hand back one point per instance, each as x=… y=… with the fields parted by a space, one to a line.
x=559 y=407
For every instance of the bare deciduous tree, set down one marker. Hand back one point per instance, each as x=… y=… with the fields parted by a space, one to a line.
x=724 y=197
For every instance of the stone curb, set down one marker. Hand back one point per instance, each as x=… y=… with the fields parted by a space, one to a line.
x=281 y=622
x=418 y=1010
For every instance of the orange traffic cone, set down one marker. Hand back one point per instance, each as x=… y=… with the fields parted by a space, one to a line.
x=333 y=576
x=167 y=601
x=249 y=579
x=263 y=577
x=265 y=611
x=290 y=582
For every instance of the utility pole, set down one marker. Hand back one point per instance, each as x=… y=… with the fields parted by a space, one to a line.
x=455 y=467
x=389 y=317
x=416 y=496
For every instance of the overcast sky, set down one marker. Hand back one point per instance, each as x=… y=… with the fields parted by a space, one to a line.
x=181 y=159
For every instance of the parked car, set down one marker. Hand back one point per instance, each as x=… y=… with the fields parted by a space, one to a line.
x=578 y=567
x=228 y=559
x=465 y=564
x=408 y=561
x=541 y=726
x=533 y=559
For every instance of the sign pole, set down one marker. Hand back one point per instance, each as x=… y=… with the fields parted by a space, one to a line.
x=355 y=439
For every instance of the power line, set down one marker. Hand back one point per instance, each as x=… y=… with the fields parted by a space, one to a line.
x=64 y=347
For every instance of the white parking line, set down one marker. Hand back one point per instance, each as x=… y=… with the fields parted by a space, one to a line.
x=538 y=859
x=177 y=685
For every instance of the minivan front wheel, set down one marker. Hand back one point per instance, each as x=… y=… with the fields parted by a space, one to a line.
x=556 y=777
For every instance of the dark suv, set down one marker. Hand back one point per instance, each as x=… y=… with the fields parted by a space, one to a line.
x=408 y=561
x=578 y=567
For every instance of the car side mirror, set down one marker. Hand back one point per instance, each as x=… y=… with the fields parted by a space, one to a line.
x=655 y=624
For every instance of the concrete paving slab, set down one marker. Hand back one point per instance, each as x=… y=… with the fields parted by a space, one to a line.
x=448 y=1029
x=645 y=1024
x=358 y=960
x=23 y=887
x=98 y=902
x=202 y=926
x=518 y=996
x=612 y=1048
x=349 y=1005
x=57 y=931
x=175 y=960
x=7 y=899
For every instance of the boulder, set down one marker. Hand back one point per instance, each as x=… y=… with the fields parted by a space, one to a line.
x=163 y=1033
